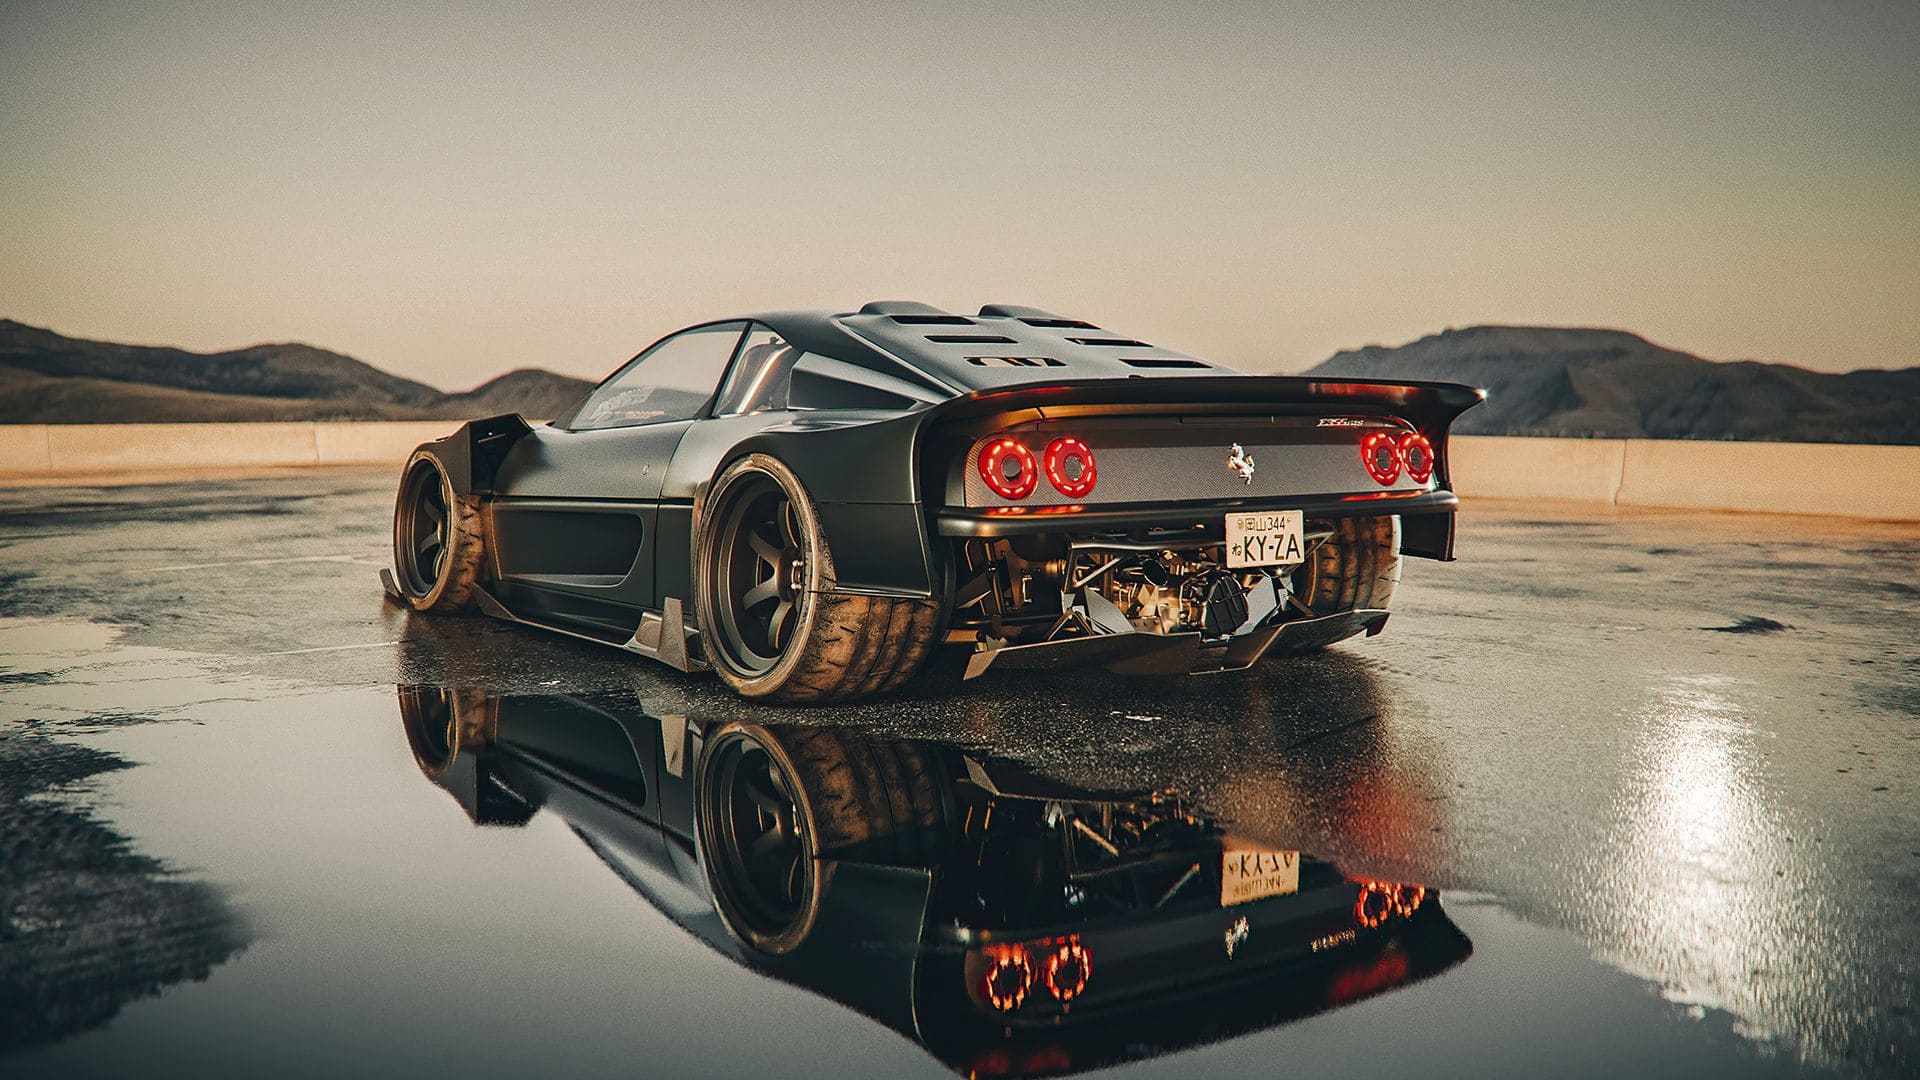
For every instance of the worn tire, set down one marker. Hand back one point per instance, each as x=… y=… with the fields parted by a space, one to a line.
x=854 y=797
x=1357 y=568
x=449 y=584
x=843 y=646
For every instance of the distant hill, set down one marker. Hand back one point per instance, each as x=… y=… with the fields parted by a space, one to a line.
x=1543 y=380
x=46 y=377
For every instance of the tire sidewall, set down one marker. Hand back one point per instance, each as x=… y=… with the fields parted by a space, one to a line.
x=819 y=577
x=402 y=515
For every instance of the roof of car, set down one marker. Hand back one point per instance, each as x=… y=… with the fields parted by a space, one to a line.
x=1003 y=345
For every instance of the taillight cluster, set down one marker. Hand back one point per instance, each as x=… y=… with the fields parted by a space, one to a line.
x=1012 y=472
x=1385 y=456
x=1011 y=972
x=1380 y=899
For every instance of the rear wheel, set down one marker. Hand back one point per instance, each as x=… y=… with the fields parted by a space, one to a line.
x=438 y=538
x=772 y=621
x=1358 y=567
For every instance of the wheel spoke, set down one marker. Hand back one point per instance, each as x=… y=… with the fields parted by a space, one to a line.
x=777 y=626
x=768 y=551
x=761 y=790
x=766 y=844
x=760 y=594
x=428 y=543
x=434 y=511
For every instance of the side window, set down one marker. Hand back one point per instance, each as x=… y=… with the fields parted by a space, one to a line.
x=674 y=380
x=762 y=375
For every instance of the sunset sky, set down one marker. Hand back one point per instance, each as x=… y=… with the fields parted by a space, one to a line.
x=451 y=190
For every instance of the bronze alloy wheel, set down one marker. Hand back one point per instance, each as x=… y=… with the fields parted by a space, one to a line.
x=760 y=574
x=773 y=620
x=437 y=538
x=421 y=528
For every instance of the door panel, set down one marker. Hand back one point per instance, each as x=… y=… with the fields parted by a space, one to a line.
x=575 y=512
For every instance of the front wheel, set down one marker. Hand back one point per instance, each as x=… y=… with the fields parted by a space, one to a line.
x=438 y=543
x=771 y=618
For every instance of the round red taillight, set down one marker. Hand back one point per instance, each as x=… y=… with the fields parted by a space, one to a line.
x=1067 y=969
x=1381 y=455
x=1374 y=905
x=1008 y=977
x=1070 y=467
x=1009 y=469
x=1407 y=900
x=1417 y=452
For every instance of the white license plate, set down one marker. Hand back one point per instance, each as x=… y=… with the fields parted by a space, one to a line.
x=1250 y=872
x=1270 y=538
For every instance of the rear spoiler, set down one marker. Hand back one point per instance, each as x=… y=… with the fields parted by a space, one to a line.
x=1430 y=406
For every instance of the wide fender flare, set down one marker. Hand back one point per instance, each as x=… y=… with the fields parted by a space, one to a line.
x=863 y=480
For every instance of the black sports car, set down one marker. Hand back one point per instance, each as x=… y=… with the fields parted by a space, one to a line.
x=1008 y=922
x=808 y=502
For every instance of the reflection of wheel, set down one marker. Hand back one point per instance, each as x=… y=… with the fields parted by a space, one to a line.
x=773 y=625
x=443 y=723
x=437 y=537
x=1357 y=567
x=451 y=733
x=771 y=803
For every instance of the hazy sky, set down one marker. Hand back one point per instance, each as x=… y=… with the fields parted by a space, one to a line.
x=450 y=190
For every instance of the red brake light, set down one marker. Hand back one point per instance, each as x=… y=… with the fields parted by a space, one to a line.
x=1417 y=452
x=1008 y=977
x=1067 y=969
x=1381 y=455
x=1070 y=467
x=1009 y=469
x=1374 y=904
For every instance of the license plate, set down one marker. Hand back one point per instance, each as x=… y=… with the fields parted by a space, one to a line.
x=1272 y=538
x=1250 y=872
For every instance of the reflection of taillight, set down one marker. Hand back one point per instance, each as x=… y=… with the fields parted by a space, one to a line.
x=1009 y=469
x=1067 y=969
x=1381 y=455
x=1008 y=977
x=1070 y=467
x=1417 y=452
x=1374 y=905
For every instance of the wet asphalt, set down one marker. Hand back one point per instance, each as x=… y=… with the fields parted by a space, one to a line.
x=1664 y=769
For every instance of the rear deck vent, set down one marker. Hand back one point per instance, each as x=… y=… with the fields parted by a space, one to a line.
x=932 y=320
x=1014 y=361
x=969 y=339
x=1061 y=324
x=1162 y=362
x=1119 y=342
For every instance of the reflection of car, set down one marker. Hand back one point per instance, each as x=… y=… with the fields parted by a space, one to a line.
x=808 y=502
x=1005 y=921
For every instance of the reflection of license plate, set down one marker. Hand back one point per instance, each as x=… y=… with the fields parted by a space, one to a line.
x=1269 y=538
x=1250 y=872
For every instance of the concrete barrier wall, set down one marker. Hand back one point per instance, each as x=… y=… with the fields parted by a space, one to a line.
x=1881 y=482
x=1802 y=478
x=386 y=443
x=1505 y=467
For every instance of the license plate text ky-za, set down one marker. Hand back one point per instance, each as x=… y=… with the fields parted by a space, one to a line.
x=1268 y=538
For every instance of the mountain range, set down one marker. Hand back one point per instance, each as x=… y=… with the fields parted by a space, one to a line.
x=1541 y=380
x=46 y=377
x=1567 y=381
